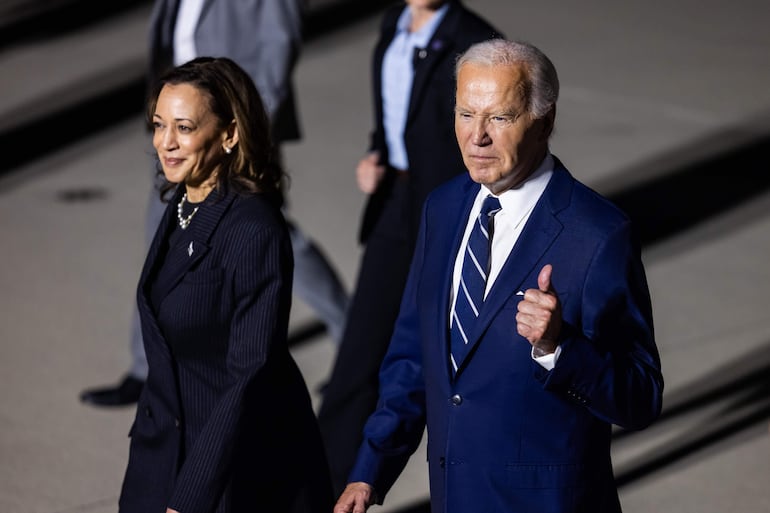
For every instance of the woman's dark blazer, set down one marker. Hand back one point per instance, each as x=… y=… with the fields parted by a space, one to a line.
x=224 y=422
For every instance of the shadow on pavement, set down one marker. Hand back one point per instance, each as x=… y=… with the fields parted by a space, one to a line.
x=82 y=119
x=26 y=20
x=29 y=20
x=735 y=397
x=681 y=198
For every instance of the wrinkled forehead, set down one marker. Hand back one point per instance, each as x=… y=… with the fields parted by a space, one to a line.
x=480 y=86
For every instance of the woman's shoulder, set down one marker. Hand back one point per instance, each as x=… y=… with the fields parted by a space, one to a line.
x=249 y=216
x=257 y=210
x=251 y=230
x=251 y=222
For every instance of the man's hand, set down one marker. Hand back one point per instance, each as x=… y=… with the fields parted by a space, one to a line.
x=356 y=498
x=539 y=316
x=369 y=173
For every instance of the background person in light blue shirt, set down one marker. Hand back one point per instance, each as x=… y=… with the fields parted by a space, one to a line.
x=397 y=79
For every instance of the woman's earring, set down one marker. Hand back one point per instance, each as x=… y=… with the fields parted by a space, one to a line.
x=228 y=150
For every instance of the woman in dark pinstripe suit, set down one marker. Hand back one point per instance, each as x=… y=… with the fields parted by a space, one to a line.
x=224 y=422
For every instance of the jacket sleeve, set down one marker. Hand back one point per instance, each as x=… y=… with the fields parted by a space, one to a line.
x=609 y=362
x=394 y=431
x=277 y=38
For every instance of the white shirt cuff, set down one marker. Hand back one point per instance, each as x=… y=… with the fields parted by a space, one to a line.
x=548 y=362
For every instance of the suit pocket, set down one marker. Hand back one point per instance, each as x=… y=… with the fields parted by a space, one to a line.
x=144 y=426
x=551 y=488
x=201 y=305
x=532 y=477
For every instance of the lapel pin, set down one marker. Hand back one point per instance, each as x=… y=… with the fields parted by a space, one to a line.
x=190 y=249
x=438 y=44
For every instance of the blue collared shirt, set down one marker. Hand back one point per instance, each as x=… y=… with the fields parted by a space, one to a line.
x=397 y=78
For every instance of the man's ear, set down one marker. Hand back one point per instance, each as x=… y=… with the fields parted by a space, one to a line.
x=548 y=123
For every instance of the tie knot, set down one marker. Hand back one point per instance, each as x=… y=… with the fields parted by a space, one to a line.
x=490 y=206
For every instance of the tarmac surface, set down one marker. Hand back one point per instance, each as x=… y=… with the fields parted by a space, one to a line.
x=665 y=108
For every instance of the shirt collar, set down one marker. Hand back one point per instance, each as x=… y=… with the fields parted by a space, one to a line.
x=523 y=197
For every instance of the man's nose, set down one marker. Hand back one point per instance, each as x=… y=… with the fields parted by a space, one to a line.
x=480 y=135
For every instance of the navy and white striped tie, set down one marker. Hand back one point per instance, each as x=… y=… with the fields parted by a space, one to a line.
x=473 y=280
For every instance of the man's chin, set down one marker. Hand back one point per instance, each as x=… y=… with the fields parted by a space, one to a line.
x=483 y=176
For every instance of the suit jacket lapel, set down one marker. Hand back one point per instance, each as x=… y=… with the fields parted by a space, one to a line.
x=448 y=243
x=539 y=233
x=149 y=321
x=192 y=246
x=426 y=59
x=194 y=243
x=166 y=223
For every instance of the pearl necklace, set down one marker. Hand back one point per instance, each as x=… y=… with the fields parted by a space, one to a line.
x=184 y=222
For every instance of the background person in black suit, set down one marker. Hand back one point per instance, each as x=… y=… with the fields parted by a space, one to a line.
x=224 y=422
x=412 y=150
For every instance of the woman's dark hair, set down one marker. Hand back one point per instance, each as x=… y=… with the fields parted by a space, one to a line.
x=253 y=166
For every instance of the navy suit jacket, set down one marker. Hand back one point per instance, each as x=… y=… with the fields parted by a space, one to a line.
x=224 y=416
x=506 y=434
x=431 y=145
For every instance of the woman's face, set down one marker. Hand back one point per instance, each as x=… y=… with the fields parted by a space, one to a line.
x=187 y=135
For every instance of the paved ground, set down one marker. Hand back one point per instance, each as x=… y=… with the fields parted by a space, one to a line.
x=664 y=108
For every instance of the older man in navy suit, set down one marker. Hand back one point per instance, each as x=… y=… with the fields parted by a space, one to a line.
x=520 y=383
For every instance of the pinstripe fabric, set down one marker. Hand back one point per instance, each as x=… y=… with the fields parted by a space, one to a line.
x=225 y=415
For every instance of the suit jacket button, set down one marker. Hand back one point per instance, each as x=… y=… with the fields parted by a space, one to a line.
x=177 y=423
x=441 y=462
x=456 y=399
x=148 y=412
